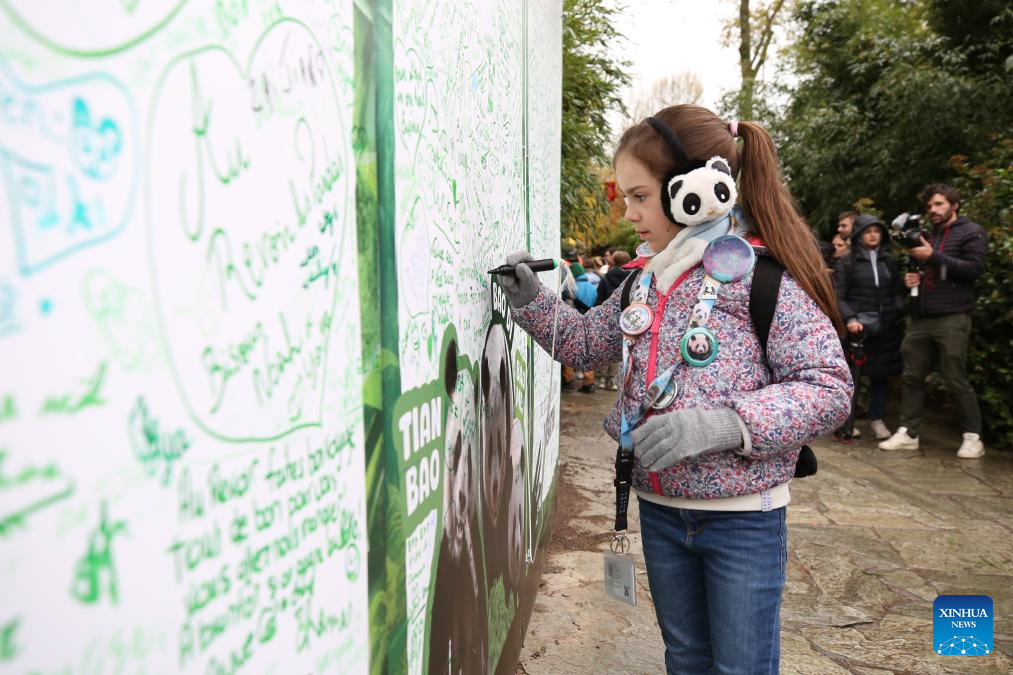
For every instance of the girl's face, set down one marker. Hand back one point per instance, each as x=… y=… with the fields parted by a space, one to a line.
x=642 y=192
x=871 y=236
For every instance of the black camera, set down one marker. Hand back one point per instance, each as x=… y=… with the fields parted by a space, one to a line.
x=854 y=347
x=907 y=230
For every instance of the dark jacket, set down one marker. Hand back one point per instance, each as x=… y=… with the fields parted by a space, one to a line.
x=612 y=280
x=858 y=291
x=957 y=260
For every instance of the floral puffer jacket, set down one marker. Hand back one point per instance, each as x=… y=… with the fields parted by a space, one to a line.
x=800 y=391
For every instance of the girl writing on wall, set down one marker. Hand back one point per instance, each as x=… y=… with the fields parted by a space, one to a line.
x=714 y=429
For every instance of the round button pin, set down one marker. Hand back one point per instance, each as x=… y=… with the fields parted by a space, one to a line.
x=644 y=250
x=728 y=258
x=667 y=397
x=699 y=347
x=636 y=318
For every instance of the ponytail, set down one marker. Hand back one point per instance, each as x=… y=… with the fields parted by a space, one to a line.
x=772 y=210
x=763 y=194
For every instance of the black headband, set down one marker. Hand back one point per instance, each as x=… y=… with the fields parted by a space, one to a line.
x=683 y=164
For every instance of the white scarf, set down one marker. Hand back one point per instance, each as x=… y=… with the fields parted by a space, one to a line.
x=685 y=251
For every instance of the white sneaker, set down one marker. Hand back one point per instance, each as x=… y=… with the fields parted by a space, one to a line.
x=899 y=441
x=879 y=429
x=972 y=447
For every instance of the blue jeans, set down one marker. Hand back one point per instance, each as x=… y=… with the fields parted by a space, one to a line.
x=716 y=580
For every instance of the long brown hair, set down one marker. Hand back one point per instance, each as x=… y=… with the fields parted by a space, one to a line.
x=763 y=195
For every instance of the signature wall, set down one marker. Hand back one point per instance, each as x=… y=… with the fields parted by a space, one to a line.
x=261 y=407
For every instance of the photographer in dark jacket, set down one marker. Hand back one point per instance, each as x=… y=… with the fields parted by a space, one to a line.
x=941 y=318
x=869 y=287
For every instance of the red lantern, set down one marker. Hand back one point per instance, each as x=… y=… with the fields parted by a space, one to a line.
x=610 y=190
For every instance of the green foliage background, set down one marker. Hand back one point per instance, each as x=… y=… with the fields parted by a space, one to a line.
x=987 y=188
x=886 y=92
x=592 y=79
x=889 y=96
x=875 y=99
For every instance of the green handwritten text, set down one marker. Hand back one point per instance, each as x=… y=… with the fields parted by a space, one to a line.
x=8 y=650
x=70 y=404
x=155 y=448
x=97 y=563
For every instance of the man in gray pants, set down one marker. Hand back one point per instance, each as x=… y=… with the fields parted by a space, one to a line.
x=941 y=319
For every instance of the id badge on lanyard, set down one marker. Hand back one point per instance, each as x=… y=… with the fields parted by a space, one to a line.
x=621 y=577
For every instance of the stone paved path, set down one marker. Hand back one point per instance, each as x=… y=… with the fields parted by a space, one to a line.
x=873 y=539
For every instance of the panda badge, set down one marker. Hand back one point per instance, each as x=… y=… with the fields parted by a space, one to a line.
x=636 y=319
x=699 y=347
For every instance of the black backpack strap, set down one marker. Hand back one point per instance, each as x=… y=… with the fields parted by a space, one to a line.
x=762 y=303
x=628 y=282
x=763 y=295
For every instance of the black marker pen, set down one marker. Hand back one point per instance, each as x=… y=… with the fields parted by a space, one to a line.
x=543 y=265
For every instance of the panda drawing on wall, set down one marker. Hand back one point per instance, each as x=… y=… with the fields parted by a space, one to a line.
x=502 y=464
x=515 y=511
x=458 y=640
x=496 y=420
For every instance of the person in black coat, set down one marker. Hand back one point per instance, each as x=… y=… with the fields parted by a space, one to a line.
x=869 y=287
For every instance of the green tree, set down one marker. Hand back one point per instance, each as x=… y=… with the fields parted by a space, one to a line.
x=986 y=190
x=883 y=100
x=751 y=32
x=592 y=80
x=892 y=95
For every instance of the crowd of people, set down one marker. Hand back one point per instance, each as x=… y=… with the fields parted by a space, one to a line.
x=935 y=292
x=593 y=288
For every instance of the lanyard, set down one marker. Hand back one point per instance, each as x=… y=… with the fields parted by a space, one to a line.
x=624 y=454
x=728 y=258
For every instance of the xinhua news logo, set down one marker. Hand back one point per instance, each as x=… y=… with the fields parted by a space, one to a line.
x=962 y=625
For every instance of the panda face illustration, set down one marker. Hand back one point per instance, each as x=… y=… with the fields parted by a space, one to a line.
x=460 y=507
x=702 y=194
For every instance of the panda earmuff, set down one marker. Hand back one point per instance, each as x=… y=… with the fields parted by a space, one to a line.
x=701 y=195
x=694 y=192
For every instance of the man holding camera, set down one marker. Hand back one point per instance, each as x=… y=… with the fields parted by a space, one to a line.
x=948 y=266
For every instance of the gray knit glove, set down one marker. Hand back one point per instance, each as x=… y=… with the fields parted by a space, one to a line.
x=664 y=440
x=522 y=286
